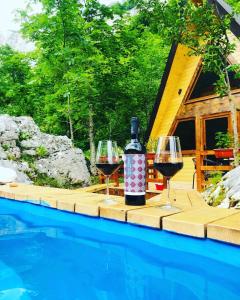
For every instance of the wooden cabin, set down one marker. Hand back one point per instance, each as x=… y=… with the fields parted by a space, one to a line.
x=186 y=105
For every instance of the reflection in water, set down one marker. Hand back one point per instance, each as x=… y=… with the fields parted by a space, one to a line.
x=56 y=263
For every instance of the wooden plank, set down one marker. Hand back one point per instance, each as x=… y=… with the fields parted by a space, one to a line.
x=181 y=199
x=152 y=216
x=91 y=206
x=196 y=199
x=84 y=203
x=26 y=189
x=194 y=222
x=207 y=152
x=204 y=107
x=227 y=229
x=208 y=97
x=67 y=205
x=119 y=211
x=216 y=168
x=94 y=188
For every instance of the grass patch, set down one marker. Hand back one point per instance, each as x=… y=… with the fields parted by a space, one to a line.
x=219 y=199
x=41 y=152
x=215 y=178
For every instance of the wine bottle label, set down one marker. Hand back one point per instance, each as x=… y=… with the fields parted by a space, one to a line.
x=134 y=174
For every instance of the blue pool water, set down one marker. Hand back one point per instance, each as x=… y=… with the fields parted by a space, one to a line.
x=52 y=255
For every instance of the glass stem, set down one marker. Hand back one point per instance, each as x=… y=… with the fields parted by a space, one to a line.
x=107 y=182
x=168 y=193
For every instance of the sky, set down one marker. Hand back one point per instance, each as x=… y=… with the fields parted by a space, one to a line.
x=8 y=24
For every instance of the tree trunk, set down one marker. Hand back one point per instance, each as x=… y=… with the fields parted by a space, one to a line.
x=233 y=111
x=91 y=142
x=70 y=118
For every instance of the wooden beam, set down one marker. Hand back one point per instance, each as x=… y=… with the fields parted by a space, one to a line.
x=199 y=147
x=208 y=97
x=216 y=168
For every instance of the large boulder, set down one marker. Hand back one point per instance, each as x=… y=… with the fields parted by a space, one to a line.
x=65 y=166
x=29 y=152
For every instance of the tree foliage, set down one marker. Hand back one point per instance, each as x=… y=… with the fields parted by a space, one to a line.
x=89 y=60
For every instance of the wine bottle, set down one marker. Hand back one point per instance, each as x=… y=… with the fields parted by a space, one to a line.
x=134 y=168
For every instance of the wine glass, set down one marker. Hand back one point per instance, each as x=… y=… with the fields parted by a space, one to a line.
x=168 y=161
x=107 y=162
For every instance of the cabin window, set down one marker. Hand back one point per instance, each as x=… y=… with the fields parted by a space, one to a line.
x=205 y=85
x=211 y=127
x=186 y=132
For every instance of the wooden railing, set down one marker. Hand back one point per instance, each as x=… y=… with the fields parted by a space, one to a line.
x=201 y=168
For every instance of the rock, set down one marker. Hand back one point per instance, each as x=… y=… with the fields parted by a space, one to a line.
x=50 y=155
x=8 y=129
x=225 y=203
x=51 y=143
x=7 y=175
x=14 y=152
x=27 y=125
x=33 y=143
x=66 y=166
x=56 y=143
x=18 y=168
x=3 y=154
x=227 y=192
x=30 y=152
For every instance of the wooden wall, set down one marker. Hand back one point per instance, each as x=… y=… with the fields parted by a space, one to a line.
x=198 y=109
x=206 y=106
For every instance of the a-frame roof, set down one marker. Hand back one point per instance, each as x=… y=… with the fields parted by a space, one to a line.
x=179 y=75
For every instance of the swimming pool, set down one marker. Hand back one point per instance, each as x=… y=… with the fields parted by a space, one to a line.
x=54 y=255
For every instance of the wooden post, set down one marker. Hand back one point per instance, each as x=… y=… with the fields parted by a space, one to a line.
x=199 y=173
x=199 y=147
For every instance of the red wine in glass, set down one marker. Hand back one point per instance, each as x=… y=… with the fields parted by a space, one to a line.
x=168 y=169
x=168 y=161
x=107 y=162
x=107 y=169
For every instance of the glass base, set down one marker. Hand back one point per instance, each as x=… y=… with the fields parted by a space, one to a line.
x=169 y=207
x=109 y=201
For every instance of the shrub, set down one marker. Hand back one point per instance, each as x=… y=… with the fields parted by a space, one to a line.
x=23 y=136
x=41 y=151
x=215 y=177
x=11 y=157
x=27 y=158
x=5 y=147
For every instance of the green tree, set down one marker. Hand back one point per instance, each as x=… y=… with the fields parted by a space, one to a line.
x=93 y=67
x=15 y=72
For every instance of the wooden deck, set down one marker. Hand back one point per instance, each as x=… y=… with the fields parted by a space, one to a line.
x=195 y=219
